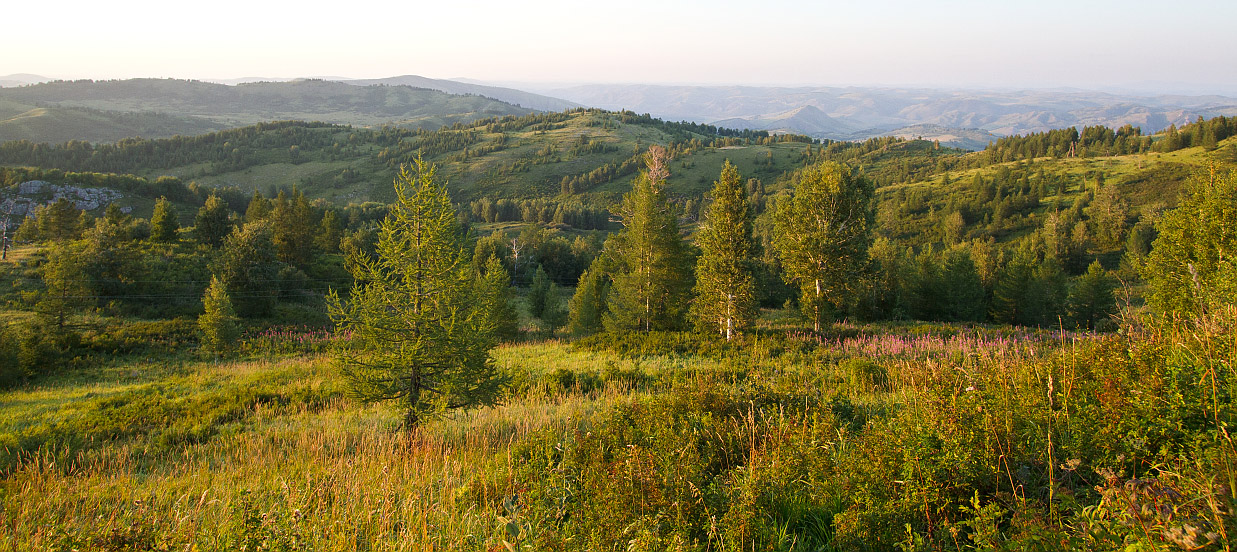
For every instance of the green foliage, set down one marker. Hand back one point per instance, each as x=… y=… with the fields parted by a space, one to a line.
x=65 y=290
x=822 y=236
x=1030 y=290
x=725 y=293
x=418 y=336
x=248 y=267
x=330 y=232
x=219 y=323
x=495 y=287
x=1091 y=300
x=587 y=308
x=1193 y=262
x=539 y=293
x=212 y=224
x=164 y=222
x=57 y=222
x=652 y=278
x=292 y=228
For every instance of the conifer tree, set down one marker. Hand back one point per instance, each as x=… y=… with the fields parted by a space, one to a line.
x=494 y=288
x=538 y=293
x=163 y=222
x=587 y=307
x=1091 y=299
x=219 y=323
x=211 y=225
x=725 y=291
x=292 y=228
x=259 y=208
x=329 y=232
x=419 y=336
x=822 y=236
x=65 y=290
x=652 y=279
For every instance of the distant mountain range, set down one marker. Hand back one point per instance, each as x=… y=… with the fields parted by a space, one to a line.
x=509 y=95
x=110 y=110
x=956 y=117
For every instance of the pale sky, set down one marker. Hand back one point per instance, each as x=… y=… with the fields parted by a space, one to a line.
x=964 y=43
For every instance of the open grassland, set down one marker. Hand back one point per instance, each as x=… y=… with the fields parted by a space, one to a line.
x=866 y=437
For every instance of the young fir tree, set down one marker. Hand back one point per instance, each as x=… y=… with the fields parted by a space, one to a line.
x=419 y=336
x=587 y=307
x=259 y=208
x=822 y=236
x=163 y=222
x=211 y=225
x=652 y=279
x=329 y=232
x=65 y=290
x=219 y=323
x=1091 y=299
x=539 y=293
x=292 y=228
x=725 y=283
x=494 y=288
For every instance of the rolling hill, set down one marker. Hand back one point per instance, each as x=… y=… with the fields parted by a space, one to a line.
x=98 y=111
x=509 y=95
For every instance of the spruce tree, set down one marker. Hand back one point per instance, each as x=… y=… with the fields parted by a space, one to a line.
x=822 y=236
x=163 y=222
x=494 y=289
x=219 y=323
x=587 y=307
x=419 y=336
x=1091 y=299
x=725 y=291
x=538 y=293
x=211 y=225
x=652 y=279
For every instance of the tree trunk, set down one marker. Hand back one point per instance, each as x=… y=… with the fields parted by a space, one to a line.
x=816 y=308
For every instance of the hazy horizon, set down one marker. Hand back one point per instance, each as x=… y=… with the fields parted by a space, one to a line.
x=1101 y=45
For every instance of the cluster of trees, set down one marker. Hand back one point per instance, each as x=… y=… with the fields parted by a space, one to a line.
x=1201 y=133
x=648 y=278
x=819 y=239
x=1068 y=142
x=574 y=214
x=228 y=150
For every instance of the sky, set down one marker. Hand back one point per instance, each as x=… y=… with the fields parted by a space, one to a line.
x=1172 y=46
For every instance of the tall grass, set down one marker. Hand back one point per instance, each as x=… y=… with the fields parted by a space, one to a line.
x=870 y=437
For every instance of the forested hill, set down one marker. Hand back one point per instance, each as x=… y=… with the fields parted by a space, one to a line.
x=926 y=194
x=104 y=111
x=587 y=154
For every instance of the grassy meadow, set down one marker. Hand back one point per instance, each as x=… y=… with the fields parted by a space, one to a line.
x=883 y=436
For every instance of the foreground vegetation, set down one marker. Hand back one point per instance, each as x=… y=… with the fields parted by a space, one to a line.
x=878 y=437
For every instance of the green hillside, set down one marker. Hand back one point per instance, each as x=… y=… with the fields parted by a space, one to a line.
x=587 y=154
x=102 y=111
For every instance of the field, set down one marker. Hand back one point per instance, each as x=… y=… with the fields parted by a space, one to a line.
x=874 y=436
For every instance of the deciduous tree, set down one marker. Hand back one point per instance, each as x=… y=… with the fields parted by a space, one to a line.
x=822 y=236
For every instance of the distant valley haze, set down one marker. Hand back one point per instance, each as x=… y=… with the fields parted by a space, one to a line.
x=959 y=70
